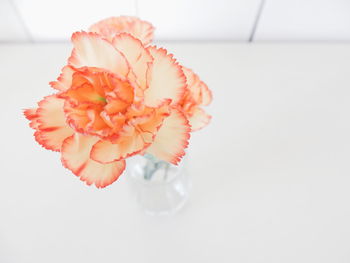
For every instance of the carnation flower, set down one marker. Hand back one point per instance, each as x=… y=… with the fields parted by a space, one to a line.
x=118 y=97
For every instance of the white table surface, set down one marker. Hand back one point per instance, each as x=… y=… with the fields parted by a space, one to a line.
x=271 y=174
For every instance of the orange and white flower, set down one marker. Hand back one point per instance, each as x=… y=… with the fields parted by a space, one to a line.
x=117 y=98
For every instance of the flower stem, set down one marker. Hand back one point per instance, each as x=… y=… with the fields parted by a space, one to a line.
x=153 y=165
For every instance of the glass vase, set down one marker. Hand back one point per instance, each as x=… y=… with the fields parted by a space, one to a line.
x=161 y=188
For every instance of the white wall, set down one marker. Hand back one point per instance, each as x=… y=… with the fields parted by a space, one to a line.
x=311 y=20
x=238 y=20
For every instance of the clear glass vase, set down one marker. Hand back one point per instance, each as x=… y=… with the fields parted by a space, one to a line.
x=161 y=188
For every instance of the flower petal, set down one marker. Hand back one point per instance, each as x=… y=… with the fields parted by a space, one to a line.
x=112 y=26
x=172 y=138
x=91 y=50
x=76 y=157
x=165 y=78
x=31 y=115
x=86 y=119
x=51 y=125
x=135 y=137
x=129 y=143
x=64 y=81
x=206 y=94
x=107 y=152
x=198 y=89
x=137 y=56
x=193 y=84
x=154 y=122
x=199 y=119
x=50 y=112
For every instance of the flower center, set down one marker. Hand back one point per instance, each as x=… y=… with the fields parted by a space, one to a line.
x=97 y=102
x=102 y=99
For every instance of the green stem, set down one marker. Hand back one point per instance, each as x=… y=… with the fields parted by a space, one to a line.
x=152 y=165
